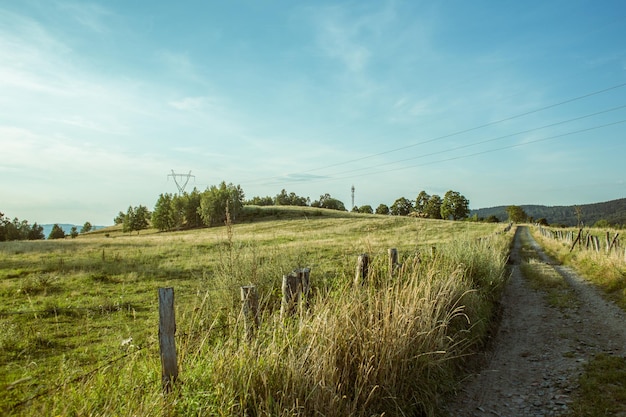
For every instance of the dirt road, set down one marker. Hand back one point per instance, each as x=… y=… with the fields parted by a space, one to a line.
x=539 y=350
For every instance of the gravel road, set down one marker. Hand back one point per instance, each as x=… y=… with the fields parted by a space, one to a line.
x=539 y=351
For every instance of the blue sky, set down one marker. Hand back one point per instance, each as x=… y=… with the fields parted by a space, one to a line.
x=506 y=102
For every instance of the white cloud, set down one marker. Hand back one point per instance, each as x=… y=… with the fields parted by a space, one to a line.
x=90 y=15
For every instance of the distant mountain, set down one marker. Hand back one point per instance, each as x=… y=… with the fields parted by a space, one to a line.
x=67 y=228
x=613 y=211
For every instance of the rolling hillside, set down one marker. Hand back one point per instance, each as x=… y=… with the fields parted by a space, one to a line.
x=613 y=211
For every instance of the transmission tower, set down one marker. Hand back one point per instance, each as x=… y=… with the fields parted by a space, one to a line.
x=352 y=197
x=181 y=185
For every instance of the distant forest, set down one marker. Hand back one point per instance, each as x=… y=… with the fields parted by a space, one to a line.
x=614 y=212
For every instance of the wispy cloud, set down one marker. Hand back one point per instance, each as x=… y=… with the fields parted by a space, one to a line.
x=89 y=15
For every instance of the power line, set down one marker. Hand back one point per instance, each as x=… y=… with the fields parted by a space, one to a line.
x=489 y=150
x=486 y=140
x=473 y=154
x=459 y=132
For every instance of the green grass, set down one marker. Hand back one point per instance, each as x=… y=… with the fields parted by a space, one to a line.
x=394 y=345
x=602 y=390
x=606 y=271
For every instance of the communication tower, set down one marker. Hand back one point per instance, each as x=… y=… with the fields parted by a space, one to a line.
x=352 y=197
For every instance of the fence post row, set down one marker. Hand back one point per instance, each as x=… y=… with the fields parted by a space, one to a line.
x=167 y=342
x=250 y=308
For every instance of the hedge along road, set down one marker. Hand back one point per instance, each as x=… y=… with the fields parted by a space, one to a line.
x=541 y=346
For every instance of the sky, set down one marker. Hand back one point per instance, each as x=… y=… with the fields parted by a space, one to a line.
x=506 y=102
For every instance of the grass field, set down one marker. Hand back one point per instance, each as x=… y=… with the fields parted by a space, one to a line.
x=69 y=309
x=607 y=271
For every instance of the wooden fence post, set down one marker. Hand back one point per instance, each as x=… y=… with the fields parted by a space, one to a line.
x=296 y=286
x=393 y=260
x=167 y=343
x=250 y=309
x=362 y=269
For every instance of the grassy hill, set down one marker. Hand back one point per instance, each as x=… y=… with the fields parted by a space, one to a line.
x=613 y=211
x=79 y=317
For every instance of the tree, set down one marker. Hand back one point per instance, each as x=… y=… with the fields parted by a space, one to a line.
x=192 y=209
x=327 y=202
x=492 y=219
x=86 y=228
x=366 y=209
x=260 y=201
x=216 y=201
x=56 y=232
x=382 y=209
x=516 y=214
x=36 y=232
x=433 y=207
x=420 y=203
x=142 y=217
x=401 y=207
x=136 y=219
x=119 y=219
x=163 y=214
x=454 y=205
x=74 y=232
x=291 y=199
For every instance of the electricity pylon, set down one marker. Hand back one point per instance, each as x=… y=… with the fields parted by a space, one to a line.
x=181 y=186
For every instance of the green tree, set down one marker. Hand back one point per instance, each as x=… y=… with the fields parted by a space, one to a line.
x=328 y=202
x=433 y=207
x=36 y=232
x=602 y=224
x=401 y=207
x=56 y=232
x=163 y=214
x=291 y=199
x=86 y=228
x=260 y=201
x=142 y=218
x=74 y=232
x=215 y=201
x=136 y=219
x=366 y=209
x=382 y=209
x=454 y=206
x=119 y=219
x=492 y=219
x=516 y=214
x=192 y=209
x=127 y=219
x=420 y=203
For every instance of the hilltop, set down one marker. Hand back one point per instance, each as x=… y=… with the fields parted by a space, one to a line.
x=613 y=211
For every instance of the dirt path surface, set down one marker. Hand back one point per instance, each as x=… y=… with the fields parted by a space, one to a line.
x=539 y=351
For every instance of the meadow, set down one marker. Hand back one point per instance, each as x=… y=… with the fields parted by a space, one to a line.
x=79 y=317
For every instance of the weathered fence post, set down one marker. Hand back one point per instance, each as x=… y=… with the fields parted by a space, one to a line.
x=250 y=309
x=167 y=343
x=295 y=283
x=393 y=260
x=362 y=269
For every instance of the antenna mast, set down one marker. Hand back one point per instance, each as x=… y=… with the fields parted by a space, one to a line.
x=353 y=196
x=181 y=185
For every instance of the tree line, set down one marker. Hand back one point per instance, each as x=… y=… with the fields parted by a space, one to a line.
x=213 y=206
x=16 y=229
